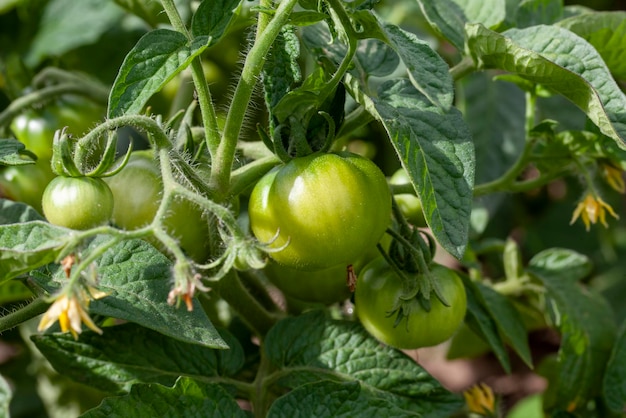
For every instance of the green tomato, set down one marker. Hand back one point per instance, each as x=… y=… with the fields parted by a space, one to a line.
x=77 y=202
x=35 y=128
x=323 y=286
x=137 y=191
x=379 y=287
x=410 y=205
x=320 y=211
x=26 y=183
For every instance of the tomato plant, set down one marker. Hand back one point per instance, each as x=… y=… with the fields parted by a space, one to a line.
x=321 y=211
x=507 y=118
x=77 y=202
x=378 y=289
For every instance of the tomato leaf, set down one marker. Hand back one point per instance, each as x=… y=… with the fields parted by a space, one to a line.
x=156 y=58
x=129 y=354
x=538 y=12
x=326 y=399
x=508 y=320
x=26 y=246
x=588 y=331
x=427 y=70
x=138 y=278
x=571 y=67
x=281 y=71
x=606 y=32
x=213 y=17
x=448 y=17
x=188 y=398
x=67 y=24
x=343 y=351
x=436 y=150
x=614 y=383
x=17 y=212
x=481 y=321
x=10 y=152
x=150 y=11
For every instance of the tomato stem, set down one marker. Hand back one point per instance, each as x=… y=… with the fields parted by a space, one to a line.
x=33 y=309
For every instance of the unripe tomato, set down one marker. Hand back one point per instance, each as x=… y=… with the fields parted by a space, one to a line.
x=410 y=205
x=137 y=191
x=320 y=211
x=77 y=202
x=26 y=183
x=377 y=290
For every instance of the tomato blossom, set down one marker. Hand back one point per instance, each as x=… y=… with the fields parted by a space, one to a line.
x=480 y=400
x=70 y=310
x=613 y=177
x=592 y=208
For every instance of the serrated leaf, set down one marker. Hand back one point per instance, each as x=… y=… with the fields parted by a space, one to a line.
x=436 y=150
x=538 y=12
x=67 y=24
x=448 y=17
x=156 y=58
x=614 y=383
x=10 y=152
x=138 y=280
x=606 y=31
x=187 y=399
x=588 y=333
x=344 y=351
x=26 y=246
x=480 y=320
x=508 y=321
x=213 y=17
x=327 y=399
x=428 y=72
x=128 y=354
x=560 y=61
x=17 y=212
x=374 y=57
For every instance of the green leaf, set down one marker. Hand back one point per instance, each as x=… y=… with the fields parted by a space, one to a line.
x=150 y=11
x=129 y=354
x=436 y=150
x=67 y=24
x=588 y=333
x=614 y=383
x=508 y=320
x=187 y=399
x=10 y=152
x=606 y=31
x=138 y=280
x=448 y=17
x=480 y=320
x=563 y=265
x=538 y=12
x=17 y=212
x=5 y=397
x=281 y=71
x=343 y=351
x=571 y=67
x=327 y=399
x=26 y=246
x=428 y=72
x=213 y=18
x=14 y=291
x=156 y=58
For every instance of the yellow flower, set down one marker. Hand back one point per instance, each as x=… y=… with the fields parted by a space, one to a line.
x=71 y=311
x=592 y=208
x=613 y=177
x=480 y=399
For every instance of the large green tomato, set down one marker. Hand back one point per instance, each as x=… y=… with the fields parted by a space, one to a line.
x=26 y=183
x=322 y=286
x=410 y=205
x=77 y=202
x=137 y=191
x=320 y=211
x=378 y=288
